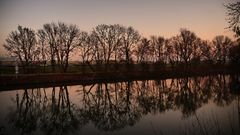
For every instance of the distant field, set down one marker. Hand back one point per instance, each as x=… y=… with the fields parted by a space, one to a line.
x=75 y=67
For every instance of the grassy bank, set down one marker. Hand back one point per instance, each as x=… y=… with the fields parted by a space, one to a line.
x=11 y=81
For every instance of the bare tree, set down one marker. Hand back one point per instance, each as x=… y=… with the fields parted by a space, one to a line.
x=142 y=51
x=62 y=40
x=108 y=41
x=49 y=34
x=157 y=44
x=170 y=52
x=22 y=44
x=206 y=51
x=97 y=51
x=234 y=54
x=221 y=45
x=130 y=38
x=42 y=47
x=68 y=40
x=85 y=48
x=185 y=45
x=233 y=13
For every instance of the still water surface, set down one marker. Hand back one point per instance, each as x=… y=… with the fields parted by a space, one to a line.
x=197 y=105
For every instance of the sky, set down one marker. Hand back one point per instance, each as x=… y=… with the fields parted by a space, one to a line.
x=207 y=18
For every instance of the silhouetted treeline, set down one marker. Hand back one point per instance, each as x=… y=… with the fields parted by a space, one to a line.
x=107 y=44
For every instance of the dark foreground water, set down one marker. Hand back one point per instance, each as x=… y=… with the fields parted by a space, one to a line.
x=197 y=105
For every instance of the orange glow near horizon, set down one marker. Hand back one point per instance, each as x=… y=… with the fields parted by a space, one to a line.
x=153 y=17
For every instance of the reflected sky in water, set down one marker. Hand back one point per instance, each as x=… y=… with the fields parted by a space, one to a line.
x=199 y=105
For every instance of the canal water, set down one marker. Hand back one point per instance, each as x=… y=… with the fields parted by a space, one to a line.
x=194 y=105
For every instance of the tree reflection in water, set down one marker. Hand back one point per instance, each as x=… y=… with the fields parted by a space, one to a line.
x=115 y=106
x=35 y=110
x=110 y=106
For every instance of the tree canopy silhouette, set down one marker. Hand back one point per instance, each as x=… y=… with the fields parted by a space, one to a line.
x=22 y=44
x=57 y=42
x=233 y=13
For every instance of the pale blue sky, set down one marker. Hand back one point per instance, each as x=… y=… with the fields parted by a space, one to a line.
x=207 y=18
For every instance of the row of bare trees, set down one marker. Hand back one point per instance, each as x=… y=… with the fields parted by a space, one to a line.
x=106 y=44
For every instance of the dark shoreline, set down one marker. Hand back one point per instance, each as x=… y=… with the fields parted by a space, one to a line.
x=10 y=82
